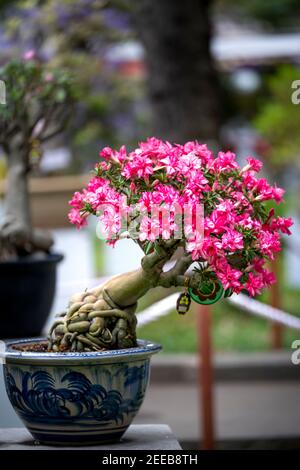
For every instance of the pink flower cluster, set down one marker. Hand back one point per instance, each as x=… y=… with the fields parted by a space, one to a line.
x=238 y=234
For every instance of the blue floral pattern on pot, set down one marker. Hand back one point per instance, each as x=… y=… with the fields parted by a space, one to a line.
x=78 y=402
x=38 y=396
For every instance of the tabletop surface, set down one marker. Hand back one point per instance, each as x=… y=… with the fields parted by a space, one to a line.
x=138 y=436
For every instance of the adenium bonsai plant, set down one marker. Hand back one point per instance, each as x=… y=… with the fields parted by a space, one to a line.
x=86 y=384
x=39 y=102
x=152 y=195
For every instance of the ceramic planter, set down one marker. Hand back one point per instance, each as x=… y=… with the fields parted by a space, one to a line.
x=77 y=398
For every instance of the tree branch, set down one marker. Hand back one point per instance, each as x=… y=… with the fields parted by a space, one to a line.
x=175 y=276
x=158 y=257
x=62 y=121
x=56 y=132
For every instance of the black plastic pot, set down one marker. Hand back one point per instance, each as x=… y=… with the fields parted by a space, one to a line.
x=27 y=288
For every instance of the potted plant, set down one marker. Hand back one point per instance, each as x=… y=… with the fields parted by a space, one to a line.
x=178 y=202
x=39 y=101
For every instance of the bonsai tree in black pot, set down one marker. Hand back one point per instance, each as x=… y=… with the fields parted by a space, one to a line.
x=39 y=101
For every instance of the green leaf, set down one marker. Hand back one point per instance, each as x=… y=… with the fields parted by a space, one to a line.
x=60 y=96
x=149 y=247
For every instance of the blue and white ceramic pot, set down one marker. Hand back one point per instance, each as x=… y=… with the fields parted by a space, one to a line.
x=77 y=398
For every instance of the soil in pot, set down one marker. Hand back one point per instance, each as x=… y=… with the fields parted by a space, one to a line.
x=40 y=347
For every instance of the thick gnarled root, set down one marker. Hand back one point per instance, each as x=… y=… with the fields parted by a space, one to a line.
x=93 y=322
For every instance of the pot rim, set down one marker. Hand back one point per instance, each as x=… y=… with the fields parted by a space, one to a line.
x=144 y=348
x=27 y=260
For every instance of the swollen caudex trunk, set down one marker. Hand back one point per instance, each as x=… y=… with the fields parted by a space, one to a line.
x=103 y=317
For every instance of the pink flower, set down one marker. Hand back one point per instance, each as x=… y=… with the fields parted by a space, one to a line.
x=154 y=147
x=253 y=165
x=220 y=219
x=48 y=77
x=258 y=265
x=254 y=285
x=149 y=229
x=195 y=246
x=96 y=183
x=268 y=278
x=246 y=221
x=196 y=185
x=170 y=162
x=232 y=240
x=268 y=243
x=229 y=276
x=189 y=162
x=77 y=200
x=107 y=152
x=76 y=218
x=167 y=194
x=102 y=166
x=224 y=162
x=277 y=194
x=200 y=150
x=267 y=192
x=241 y=200
x=249 y=181
x=111 y=219
x=29 y=55
x=259 y=279
x=226 y=207
x=282 y=224
x=116 y=157
x=148 y=200
x=138 y=167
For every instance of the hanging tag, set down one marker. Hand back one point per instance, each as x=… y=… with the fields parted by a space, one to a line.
x=184 y=300
x=183 y=303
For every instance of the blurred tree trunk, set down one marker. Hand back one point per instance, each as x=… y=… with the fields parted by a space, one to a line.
x=17 y=209
x=182 y=80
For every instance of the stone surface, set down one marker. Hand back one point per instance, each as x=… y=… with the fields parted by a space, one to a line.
x=138 y=437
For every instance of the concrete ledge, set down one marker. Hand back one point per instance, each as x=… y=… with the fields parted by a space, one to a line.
x=168 y=368
x=138 y=437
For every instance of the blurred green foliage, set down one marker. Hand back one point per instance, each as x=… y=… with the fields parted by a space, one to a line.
x=278 y=118
x=232 y=329
x=273 y=13
x=29 y=83
x=39 y=104
x=76 y=36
